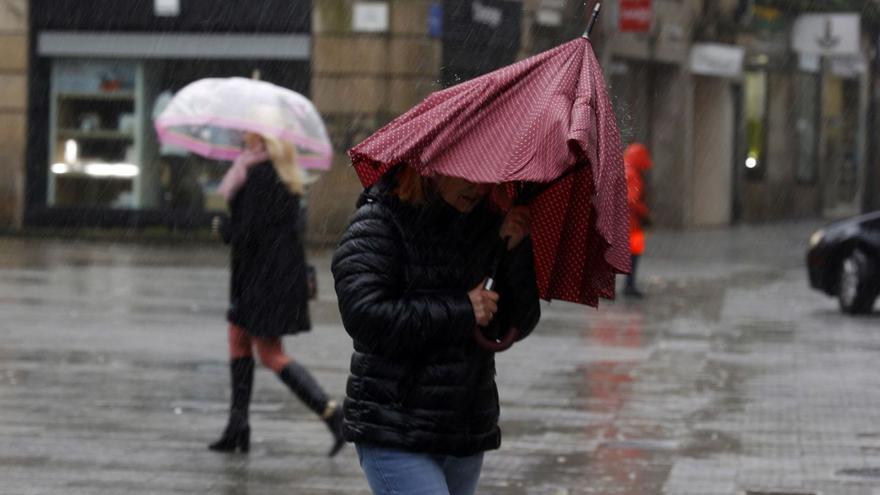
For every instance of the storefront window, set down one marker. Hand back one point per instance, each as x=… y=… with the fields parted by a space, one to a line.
x=104 y=152
x=806 y=114
x=756 y=124
x=94 y=145
x=96 y=78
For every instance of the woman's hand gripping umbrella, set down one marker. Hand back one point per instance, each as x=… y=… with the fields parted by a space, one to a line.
x=543 y=130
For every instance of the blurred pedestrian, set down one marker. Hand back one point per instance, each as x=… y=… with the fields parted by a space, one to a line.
x=269 y=292
x=637 y=160
x=422 y=404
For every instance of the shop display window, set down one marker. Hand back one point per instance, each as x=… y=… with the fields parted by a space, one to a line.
x=94 y=145
x=104 y=156
x=104 y=153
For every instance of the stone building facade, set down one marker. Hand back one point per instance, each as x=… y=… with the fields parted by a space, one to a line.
x=13 y=109
x=359 y=82
x=812 y=120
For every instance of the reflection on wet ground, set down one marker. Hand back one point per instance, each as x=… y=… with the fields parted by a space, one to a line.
x=730 y=376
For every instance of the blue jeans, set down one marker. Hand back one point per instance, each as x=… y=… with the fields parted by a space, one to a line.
x=397 y=472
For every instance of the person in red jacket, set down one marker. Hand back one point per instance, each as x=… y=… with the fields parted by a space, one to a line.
x=636 y=160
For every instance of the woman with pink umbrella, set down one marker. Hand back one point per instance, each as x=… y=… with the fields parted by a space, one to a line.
x=516 y=174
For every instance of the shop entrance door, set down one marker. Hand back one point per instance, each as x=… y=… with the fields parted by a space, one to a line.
x=841 y=155
x=713 y=151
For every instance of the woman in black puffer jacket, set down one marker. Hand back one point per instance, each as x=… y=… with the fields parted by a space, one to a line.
x=422 y=405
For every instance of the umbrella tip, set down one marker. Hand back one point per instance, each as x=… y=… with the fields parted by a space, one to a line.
x=596 y=9
x=255 y=75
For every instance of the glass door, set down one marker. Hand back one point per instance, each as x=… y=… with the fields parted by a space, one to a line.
x=841 y=155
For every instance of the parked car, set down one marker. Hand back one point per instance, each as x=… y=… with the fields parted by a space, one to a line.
x=843 y=260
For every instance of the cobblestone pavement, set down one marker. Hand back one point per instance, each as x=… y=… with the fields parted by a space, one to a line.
x=730 y=376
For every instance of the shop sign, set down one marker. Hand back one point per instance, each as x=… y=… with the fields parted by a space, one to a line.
x=634 y=16
x=716 y=59
x=166 y=8
x=485 y=14
x=548 y=17
x=827 y=34
x=370 y=17
x=766 y=20
x=808 y=62
x=847 y=67
x=550 y=13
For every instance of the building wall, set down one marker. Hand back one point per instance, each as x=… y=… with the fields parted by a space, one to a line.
x=359 y=82
x=13 y=109
x=654 y=100
x=695 y=129
x=671 y=179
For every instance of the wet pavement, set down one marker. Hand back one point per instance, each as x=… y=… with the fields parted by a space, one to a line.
x=730 y=377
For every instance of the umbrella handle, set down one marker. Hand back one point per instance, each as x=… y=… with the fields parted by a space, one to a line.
x=496 y=345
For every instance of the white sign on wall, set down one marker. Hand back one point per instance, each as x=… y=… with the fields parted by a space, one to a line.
x=716 y=59
x=484 y=14
x=827 y=34
x=548 y=17
x=166 y=8
x=370 y=17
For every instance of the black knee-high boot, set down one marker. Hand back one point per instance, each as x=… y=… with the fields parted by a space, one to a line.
x=303 y=384
x=237 y=435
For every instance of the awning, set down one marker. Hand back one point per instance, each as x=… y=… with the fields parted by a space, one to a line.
x=174 y=45
x=717 y=59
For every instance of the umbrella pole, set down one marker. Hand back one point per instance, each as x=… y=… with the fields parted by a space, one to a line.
x=593 y=19
x=498 y=343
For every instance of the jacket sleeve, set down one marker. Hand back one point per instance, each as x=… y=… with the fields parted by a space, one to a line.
x=519 y=303
x=377 y=310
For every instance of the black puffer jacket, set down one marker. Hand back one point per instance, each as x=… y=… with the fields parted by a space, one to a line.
x=418 y=380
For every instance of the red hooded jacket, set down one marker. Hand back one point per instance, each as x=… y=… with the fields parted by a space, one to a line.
x=637 y=160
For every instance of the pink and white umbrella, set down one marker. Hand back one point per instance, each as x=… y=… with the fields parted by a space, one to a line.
x=209 y=116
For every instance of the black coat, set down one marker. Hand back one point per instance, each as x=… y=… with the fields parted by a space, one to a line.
x=418 y=381
x=268 y=294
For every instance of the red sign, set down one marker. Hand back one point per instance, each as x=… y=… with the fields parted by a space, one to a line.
x=635 y=16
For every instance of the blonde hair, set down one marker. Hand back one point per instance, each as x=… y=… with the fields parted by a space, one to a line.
x=412 y=187
x=284 y=159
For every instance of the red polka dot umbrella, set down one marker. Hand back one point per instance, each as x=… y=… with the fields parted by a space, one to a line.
x=544 y=120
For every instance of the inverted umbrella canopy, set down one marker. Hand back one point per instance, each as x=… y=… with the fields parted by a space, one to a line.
x=209 y=117
x=546 y=119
